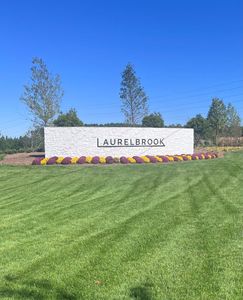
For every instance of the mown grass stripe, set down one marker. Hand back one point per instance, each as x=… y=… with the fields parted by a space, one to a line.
x=142 y=231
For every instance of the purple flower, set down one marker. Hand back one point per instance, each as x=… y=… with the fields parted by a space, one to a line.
x=124 y=160
x=66 y=161
x=37 y=161
x=95 y=160
x=152 y=159
x=81 y=160
x=164 y=158
x=207 y=155
x=184 y=157
x=199 y=155
x=175 y=158
x=138 y=159
x=52 y=160
x=109 y=160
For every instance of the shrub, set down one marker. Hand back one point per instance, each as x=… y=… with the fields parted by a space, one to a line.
x=52 y=160
x=152 y=158
x=158 y=158
x=59 y=160
x=74 y=160
x=170 y=158
x=131 y=160
x=81 y=160
x=109 y=160
x=88 y=159
x=138 y=159
x=44 y=161
x=95 y=160
x=124 y=160
x=145 y=159
x=66 y=161
x=116 y=159
x=37 y=161
x=164 y=158
x=102 y=160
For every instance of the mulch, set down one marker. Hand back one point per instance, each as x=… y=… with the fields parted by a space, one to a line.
x=21 y=158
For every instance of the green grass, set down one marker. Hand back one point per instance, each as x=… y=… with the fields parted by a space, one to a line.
x=123 y=232
x=2 y=156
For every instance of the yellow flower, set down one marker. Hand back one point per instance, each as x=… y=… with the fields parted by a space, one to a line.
x=159 y=159
x=88 y=159
x=170 y=158
x=59 y=160
x=189 y=157
x=44 y=161
x=74 y=160
x=102 y=160
x=179 y=157
x=131 y=160
x=145 y=159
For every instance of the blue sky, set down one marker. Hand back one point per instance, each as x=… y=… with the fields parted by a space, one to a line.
x=185 y=53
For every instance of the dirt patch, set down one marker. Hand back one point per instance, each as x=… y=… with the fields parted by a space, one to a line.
x=21 y=158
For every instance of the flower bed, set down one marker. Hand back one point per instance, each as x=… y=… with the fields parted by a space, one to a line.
x=123 y=160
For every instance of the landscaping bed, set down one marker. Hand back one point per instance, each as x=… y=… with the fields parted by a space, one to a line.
x=20 y=158
x=123 y=159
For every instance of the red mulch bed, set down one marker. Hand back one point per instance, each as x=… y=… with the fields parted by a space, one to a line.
x=20 y=158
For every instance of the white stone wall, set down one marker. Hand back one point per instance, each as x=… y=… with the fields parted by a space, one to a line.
x=78 y=141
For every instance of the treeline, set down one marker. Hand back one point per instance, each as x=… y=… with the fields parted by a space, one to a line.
x=220 y=127
x=44 y=93
x=31 y=141
x=222 y=121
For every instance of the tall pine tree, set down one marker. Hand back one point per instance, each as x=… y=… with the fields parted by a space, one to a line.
x=133 y=96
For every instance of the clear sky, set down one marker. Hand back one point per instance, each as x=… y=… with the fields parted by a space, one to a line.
x=185 y=53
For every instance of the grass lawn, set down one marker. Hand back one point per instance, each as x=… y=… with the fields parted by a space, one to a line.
x=123 y=232
x=2 y=156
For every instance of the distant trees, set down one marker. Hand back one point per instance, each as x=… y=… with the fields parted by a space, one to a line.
x=69 y=119
x=31 y=141
x=111 y=125
x=233 y=128
x=133 y=97
x=43 y=94
x=200 y=126
x=153 y=120
x=217 y=118
x=178 y=125
x=221 y=122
